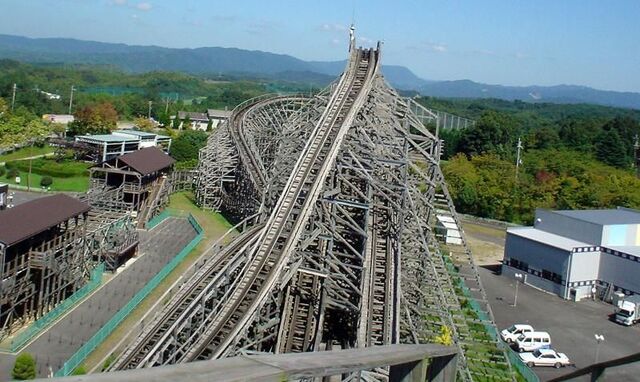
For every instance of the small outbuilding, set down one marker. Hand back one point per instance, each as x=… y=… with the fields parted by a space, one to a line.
x=141 y=174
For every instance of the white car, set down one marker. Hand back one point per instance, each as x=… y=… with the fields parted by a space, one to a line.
x=545 y=357
x=511 y=333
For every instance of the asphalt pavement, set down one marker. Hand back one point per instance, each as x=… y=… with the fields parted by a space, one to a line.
x=572 y=326
x=53 y=347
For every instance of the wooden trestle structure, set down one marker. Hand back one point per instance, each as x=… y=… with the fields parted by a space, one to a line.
x=346 y=185
x=49 y=246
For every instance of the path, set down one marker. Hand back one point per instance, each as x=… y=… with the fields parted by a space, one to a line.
x=63 y=339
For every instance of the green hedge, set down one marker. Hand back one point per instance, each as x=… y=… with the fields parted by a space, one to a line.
x=44 y=166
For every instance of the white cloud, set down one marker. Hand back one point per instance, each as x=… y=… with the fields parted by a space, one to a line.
x=262 y=26
x=336 y=41
x=144 y=6
x=366 y=40
x=484 y=52
x=430 y=47
x=118 y=2
x=336 y=28
x=440 y=48
x=521 y=56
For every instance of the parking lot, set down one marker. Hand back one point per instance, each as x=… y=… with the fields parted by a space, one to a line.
x=572 y=326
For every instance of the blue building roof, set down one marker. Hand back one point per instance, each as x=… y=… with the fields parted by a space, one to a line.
x=604 y=217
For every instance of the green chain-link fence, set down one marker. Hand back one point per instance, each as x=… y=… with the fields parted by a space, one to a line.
x=50 y=317
x=514 y=359
x=86 y=349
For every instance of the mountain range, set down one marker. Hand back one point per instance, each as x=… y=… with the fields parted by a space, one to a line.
x=212 y=61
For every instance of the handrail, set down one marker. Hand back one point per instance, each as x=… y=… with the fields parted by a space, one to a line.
x=597 y=369
x=407 y=362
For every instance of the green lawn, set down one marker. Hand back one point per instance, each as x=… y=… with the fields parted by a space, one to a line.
x=73 y=184
x=214 y=224
x=26 y=152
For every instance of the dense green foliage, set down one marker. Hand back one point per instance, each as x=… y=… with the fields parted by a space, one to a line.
x=128 y=93
x=24 y=367
x=80 y=370
x=486 y=186
x=12 y=173
x=19 y=127
x=574 y=157
x=100 y=118
x=185 y=147
x=46 y=181
x=51 y=167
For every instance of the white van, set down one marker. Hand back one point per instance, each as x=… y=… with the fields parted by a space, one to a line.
x=512 y=333
x=532 y=341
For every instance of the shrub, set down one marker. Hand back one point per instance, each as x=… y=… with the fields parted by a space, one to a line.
x=24 y=368
x=12 y=173
x=80 y=370
x=2 y=170
x=107 y=362
x=46 y=166
x=46 y=181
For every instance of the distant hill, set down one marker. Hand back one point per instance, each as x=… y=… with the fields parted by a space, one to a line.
x=554 y=94
x=239 y=62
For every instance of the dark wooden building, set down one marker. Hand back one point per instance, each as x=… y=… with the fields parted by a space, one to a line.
x=42 y=257
x=142 y=175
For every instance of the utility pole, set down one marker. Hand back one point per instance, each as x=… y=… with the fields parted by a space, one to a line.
x=71 y=98
x=149 y=114
x=518 y=160
x=166 y=105
x=13 y=97
x=636 y=152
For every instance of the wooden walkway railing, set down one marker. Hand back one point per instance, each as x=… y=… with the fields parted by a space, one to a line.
x=597 y=370
x=435 y=363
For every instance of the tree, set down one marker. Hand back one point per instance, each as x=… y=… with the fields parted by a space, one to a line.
x=494 y=132
x=143 y=124
x=186 y=146
x=59 y=129
x=24 y=367
x=610 y=149
x=3 y=107
x=46 y=181
x=98 y=118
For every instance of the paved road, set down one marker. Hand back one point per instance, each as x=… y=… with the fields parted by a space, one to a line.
x=54 y=347
x=20 y=197
x=572 y=326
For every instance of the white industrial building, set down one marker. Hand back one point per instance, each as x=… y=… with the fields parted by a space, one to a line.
x=121 y=142
x=575 y=254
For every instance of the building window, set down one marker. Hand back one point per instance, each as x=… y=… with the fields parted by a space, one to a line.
x=556 y=278
x=519 y=264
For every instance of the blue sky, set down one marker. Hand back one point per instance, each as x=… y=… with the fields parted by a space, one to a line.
x=508 y=42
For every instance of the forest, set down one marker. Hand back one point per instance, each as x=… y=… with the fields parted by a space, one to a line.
x=573 y=157
x=129 y=93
